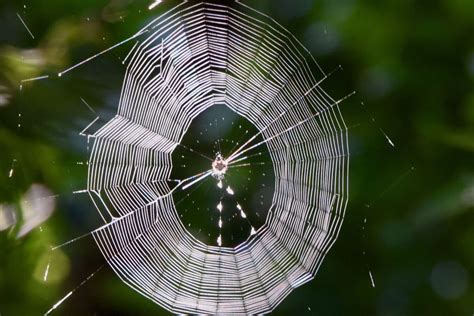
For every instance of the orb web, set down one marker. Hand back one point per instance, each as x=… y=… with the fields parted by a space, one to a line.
x=197 y=56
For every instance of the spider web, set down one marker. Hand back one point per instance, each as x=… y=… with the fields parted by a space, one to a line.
x=190 y=59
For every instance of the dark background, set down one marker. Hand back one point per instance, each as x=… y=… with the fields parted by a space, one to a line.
x=410 y=220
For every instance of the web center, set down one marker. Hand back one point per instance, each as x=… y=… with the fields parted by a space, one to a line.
x=219 y=167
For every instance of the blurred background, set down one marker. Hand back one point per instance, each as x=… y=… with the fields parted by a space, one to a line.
x=407 y=243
